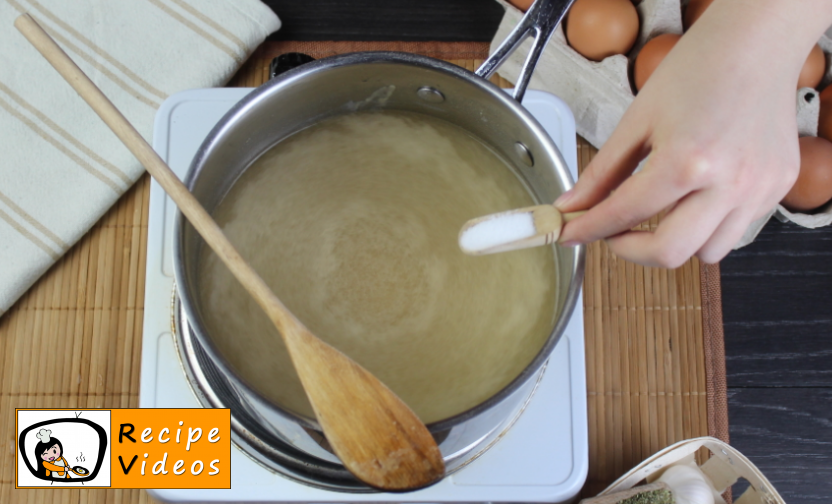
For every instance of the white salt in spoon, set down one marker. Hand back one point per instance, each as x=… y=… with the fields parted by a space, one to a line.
x=514 y=229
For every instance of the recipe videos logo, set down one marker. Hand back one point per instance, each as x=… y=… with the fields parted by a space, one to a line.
x=63 y=448
x=148 y=448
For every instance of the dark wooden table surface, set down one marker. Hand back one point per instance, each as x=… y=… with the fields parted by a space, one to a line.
x=777 y=292
x=777 y=309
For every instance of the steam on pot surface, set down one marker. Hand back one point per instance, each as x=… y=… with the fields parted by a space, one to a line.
x=353 y=223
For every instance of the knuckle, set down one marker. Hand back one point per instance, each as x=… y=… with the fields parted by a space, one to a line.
x=691 y=165
x=698 y=170
x=669 y=256
x=622 y=218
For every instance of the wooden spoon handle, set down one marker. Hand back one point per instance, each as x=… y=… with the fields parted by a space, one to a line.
x=193 y=210
x=376 y=436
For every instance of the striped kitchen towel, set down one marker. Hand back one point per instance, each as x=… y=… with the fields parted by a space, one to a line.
x=61 y=168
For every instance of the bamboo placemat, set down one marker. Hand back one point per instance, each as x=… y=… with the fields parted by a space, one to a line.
x=654 y=347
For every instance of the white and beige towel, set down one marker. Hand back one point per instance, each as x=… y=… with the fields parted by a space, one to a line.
x=60 y=167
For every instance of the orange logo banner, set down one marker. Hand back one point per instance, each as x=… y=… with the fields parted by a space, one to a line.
x=123 y=448
x=171 y=448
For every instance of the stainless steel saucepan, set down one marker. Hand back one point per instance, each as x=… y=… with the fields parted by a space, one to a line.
x=282 y=440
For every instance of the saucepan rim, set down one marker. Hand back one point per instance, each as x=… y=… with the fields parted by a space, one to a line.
x=260 y=95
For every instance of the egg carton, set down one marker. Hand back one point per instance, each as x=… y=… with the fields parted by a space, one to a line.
x=599 y=92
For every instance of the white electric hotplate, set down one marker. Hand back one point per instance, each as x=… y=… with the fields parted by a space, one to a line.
x=542 y=458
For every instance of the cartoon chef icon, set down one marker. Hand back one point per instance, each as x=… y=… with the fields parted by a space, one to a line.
x=49 y=453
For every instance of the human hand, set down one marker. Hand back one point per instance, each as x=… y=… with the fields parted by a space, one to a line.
x=718 y=121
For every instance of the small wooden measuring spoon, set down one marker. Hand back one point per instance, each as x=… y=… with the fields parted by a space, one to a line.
x=514 y=229
x=377 y=437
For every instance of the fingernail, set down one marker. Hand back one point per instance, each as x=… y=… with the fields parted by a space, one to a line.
x=570 y=243
x=564 y=198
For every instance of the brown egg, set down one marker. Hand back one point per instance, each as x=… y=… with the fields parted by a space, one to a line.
x=813 y=70
x=825 y=116
x=694 y=9
x=523 y=5
x=651 y=55
x=601 y=28
x=814 y=183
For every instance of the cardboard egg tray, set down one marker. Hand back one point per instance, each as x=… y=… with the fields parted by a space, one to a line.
x=599 y=92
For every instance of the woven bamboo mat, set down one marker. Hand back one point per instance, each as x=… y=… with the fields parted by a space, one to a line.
x=654 y=347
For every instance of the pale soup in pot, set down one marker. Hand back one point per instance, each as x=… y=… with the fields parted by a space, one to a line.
x=353 y=223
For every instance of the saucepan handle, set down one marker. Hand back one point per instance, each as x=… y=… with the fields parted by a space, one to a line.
x=540 y=22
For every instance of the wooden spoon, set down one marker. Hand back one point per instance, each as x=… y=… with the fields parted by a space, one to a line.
x=514 y=229
x=377 y=437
